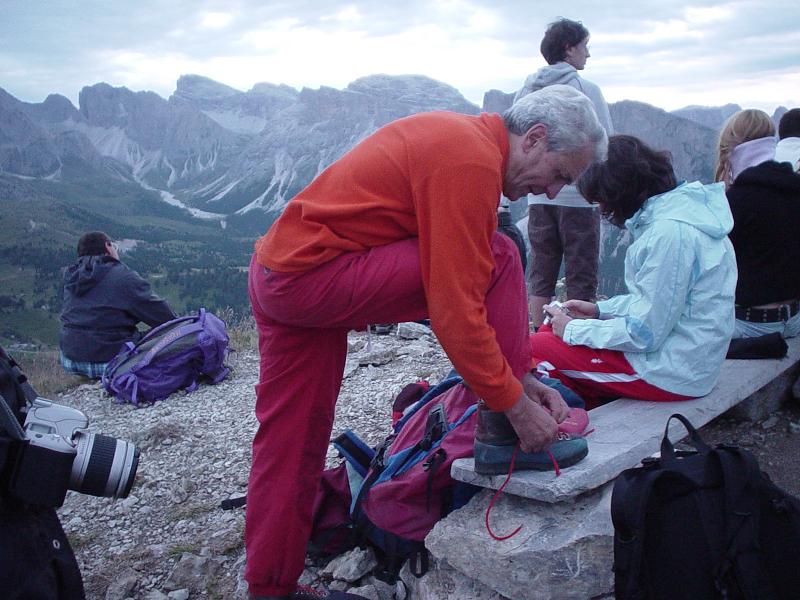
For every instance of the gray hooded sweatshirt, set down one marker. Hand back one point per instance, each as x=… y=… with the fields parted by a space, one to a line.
x=565 y=74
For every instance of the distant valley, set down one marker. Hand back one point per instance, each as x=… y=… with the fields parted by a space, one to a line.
x=194 y=179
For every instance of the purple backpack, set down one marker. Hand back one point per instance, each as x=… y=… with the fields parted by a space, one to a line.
x=173 y=356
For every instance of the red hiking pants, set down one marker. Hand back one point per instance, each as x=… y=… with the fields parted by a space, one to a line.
x=595 y=375
x=303 y=320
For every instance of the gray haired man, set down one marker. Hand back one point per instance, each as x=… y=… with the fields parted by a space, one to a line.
x=401 y=228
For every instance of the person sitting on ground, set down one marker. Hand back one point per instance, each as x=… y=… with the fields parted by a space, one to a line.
x=788 y=148
x=764 y=197
x=400 y=228
x=667 y=337
x=566 y=227
x=104 y=301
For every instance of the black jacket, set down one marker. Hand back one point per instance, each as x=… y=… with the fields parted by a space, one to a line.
x=765 y=202
x=103 y=302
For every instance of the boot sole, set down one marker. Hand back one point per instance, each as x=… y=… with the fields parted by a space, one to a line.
x=502 y=462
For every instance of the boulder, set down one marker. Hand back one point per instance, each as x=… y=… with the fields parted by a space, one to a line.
x=564 y=550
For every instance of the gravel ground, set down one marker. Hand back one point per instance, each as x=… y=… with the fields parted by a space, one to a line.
x=170 y=535
x=775 y=442
x=170 y=539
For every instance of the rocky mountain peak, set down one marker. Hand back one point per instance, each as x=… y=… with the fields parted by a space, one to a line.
x=712 y=117
x=273 y=90
x=414 y=90
x=55 y=109
x=197 y=87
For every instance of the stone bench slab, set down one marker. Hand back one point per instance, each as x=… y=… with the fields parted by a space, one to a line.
x=625 y=431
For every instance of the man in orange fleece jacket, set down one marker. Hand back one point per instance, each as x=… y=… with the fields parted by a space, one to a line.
x=400 y=228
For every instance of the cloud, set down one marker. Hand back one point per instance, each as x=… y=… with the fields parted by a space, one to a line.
x=682 y=52
x=215 y=20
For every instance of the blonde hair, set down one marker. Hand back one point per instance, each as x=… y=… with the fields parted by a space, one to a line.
x=744 y=126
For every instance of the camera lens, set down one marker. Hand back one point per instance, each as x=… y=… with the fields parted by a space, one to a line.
x=103 y=466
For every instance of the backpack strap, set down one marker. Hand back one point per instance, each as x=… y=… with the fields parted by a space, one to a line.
x=354 y=451
x=167 y=324
x=107 y=378
x=668 y=455
x=742 y=516
x=168 y=339
x=629 y=501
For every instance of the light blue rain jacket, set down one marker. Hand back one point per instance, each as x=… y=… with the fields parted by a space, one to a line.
x=675 y=323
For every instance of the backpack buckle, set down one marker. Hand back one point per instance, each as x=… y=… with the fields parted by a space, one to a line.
x=435 y=427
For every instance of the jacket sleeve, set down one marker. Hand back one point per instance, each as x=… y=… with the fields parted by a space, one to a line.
x=456 y=211
x=143 y=304
x=662 y=273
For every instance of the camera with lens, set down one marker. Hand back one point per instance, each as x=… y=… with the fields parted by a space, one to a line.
x=57 y=452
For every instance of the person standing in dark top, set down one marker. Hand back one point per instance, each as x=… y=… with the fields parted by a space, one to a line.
x=104 y=300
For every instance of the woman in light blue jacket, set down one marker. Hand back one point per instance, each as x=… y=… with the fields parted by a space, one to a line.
x=667 y=337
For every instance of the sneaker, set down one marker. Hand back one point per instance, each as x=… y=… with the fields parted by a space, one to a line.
x=576 y=422
x=495 y=441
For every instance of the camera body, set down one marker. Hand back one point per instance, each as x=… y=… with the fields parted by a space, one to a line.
x=59 y=453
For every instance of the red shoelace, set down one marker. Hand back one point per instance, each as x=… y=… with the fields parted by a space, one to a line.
x=499 y=491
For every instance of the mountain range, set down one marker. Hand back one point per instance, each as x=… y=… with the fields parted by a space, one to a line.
x=193 y=179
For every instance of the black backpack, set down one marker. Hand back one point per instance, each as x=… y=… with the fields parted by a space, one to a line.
x=704 y=524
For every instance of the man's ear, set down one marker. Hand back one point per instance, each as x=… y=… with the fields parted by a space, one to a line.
x=537 y=133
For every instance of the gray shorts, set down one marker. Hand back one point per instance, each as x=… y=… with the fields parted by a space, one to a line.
x=566 y=232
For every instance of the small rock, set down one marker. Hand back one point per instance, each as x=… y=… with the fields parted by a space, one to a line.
x=794 y=427
x=338 y=586
x=156 y=595
x=770 y=422
x=412 y=331
x=400 y=591
x=310 y=576
x=182 y=594
x=385 y=591
x=352 y=565
x=192 y=570
x=350 y=367
x=123 y=585
x=74 y=523
x=367 y=591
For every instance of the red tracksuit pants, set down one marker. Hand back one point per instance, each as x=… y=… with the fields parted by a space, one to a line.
x=303 y=320
x=597 y=376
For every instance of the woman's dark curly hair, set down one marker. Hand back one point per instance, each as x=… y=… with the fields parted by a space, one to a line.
x=632 y=173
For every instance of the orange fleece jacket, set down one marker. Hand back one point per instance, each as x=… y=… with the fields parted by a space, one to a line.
x=436 y=176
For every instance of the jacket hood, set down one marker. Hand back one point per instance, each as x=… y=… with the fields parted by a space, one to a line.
x=702 y=206
x=751 y=153
x=559 y=73
x=788 y=150
x=771 y=174
x=82 y=276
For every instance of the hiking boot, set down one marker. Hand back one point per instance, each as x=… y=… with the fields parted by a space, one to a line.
x=496 y=439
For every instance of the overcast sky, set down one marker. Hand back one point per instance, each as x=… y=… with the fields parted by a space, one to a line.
x=669 y=54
